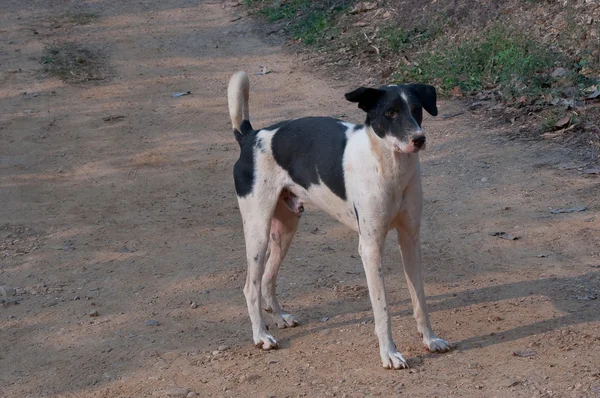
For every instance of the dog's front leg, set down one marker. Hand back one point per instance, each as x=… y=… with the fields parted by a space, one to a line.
x=410 y=247
x=371 y=251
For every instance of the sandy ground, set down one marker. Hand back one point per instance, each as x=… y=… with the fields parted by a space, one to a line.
x=133 y=219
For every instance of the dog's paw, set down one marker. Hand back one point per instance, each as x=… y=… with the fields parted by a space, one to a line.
x=436 y=344
x=266 y=342
x=393 y=360
x=284 y=320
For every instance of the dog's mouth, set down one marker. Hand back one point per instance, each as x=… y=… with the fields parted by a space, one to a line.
x=409 y=148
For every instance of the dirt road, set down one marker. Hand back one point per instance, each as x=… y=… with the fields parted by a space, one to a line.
x=119 y=230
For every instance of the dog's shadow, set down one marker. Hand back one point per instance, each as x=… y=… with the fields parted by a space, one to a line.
x=576 y=297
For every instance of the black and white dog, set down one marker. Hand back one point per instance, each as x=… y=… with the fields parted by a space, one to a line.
x=366 y=176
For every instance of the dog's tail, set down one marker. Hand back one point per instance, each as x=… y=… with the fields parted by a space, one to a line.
x=237 y=96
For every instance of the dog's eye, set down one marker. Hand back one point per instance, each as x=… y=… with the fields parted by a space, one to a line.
x=390 y=114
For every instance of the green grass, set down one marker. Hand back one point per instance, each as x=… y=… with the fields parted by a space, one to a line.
x=310 y=21
x=396 y=38
x=498 y=57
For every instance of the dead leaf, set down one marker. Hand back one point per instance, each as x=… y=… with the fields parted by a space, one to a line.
x=592 y=170
x=587 y=297
x=456 y=91
x=524 y=353
x=595 y=94
x=559 y=72
x=181 y=94
x=564 y=122
x=264 y=71
x=113 y=118
x=504 y=235
x=569 y=210
x=549 y=136
x=363 y=7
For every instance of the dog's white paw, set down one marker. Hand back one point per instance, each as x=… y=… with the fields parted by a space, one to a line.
x=392 y=359
x=436 y=344
x=266 y=342
x=284 y=320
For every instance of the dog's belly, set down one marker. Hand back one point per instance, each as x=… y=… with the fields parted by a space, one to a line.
x=322 y=197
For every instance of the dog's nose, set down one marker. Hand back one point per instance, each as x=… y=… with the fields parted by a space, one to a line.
x=418 y=140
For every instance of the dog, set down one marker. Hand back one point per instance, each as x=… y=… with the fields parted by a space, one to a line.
x=367 y=176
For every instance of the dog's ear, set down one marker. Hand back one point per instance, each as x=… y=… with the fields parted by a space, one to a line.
x=427 y=96
x=366 y=97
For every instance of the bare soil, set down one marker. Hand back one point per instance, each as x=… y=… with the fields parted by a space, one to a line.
x=118 y=208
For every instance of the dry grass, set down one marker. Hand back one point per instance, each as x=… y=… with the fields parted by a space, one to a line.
x=82 y=18
x=75 y=63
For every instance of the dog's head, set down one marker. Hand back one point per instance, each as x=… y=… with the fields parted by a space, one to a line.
x=395 y=113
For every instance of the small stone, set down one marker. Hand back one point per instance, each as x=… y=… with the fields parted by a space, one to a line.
x=172 y=392
x=152 y=322
x=484 y=179
x=325 y=332
x=216 y=352
x=509 y=383
x=68 y=246
x=249 y=378
x=94 y=313
x=171 y=355
x=325 y=319
x=193 y=305
x=6 y=291
x=473 y=365
x=223 y=347
x=191 y=394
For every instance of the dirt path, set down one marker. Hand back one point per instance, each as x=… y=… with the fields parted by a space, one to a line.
x=135 y=217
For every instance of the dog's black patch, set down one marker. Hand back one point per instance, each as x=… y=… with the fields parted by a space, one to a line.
x=245 y=128
x=357 y=220
x=311 y=150
x=243 y=171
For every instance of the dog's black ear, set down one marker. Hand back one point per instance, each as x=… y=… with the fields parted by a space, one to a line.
x=427 y=95
x=366 y=97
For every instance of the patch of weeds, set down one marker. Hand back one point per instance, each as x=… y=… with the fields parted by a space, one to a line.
x=74 y=63
x=315 y=26
x=308 y=20
x=549 y=123
x=277 y=10
x=498 y=57
x=83 y=18
x=399 y=39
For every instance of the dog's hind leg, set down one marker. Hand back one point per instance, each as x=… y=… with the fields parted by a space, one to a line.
x=283 y=227
x=257 y=210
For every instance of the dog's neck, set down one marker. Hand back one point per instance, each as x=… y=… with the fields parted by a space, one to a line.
x=391 y=163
